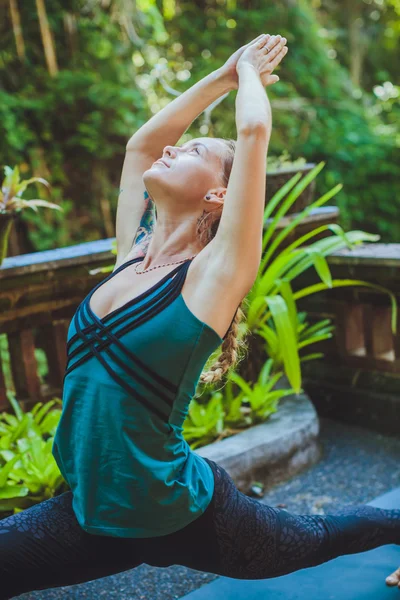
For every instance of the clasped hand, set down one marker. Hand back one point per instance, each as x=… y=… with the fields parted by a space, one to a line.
x=264 y=53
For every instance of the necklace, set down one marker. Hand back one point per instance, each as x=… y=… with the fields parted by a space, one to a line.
x=158 y=266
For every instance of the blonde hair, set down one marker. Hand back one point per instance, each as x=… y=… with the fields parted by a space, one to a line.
x=233 y=345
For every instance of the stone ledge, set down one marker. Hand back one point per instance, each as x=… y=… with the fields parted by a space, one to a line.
x=282 y=446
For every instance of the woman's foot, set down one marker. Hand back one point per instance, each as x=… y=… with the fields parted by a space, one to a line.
x=394 y=578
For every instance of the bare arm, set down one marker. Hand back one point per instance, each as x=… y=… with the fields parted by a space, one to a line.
x=238 y=243
x=253 y=108
x=237 y=246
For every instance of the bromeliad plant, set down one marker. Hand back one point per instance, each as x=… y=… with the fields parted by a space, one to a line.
x=28 y=471
x=272 y=311
x=256 y=402
x=306 y=335
x=11 y=203
x=229 y=413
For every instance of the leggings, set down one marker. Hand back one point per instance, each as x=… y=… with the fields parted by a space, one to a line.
x=44 y=546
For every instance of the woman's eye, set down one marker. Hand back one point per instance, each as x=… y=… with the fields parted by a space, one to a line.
x=197 y=150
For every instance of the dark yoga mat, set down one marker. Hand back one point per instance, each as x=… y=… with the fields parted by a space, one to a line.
x=352 y=577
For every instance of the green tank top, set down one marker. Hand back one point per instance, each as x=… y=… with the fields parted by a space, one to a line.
x=127 y=386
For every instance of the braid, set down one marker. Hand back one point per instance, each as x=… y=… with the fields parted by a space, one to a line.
x=229 y=354
x=232 y=344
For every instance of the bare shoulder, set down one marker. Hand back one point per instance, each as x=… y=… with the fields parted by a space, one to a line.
x=212 y=293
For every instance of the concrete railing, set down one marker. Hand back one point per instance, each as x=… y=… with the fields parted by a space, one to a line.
x=358 y=380
x=39 y=293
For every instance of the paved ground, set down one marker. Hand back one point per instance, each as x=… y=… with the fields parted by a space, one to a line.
x=357 y=465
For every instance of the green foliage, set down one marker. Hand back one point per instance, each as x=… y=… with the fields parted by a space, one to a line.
x=28 y=471
x=228 y=413
x=262 y=399
x=304 y=335
x=271 y=303
x=74 y=126
x=339 y=123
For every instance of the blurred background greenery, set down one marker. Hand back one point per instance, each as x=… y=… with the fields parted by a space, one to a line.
x=78 y=78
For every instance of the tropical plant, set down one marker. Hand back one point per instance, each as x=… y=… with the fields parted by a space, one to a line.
x=261 y=398
x=284 y=161
x=11 y=202
x=28 y=473
x=13 y=188
x=305 y=335
x=229 y=413
x=271 y=296
x=204 y=422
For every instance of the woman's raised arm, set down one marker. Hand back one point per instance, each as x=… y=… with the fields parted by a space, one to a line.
x=170 y=123
x=237 y=245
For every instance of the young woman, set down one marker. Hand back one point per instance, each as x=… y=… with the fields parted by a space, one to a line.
x=136 y=349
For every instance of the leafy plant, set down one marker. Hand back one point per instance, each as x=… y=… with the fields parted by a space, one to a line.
x=29 y=473
x=261 y=397
x=204 y=422
x=11 y=202
x=271 y=296
x=305 y=335
x=13 y=188
x=223 y=414
x=284 y=161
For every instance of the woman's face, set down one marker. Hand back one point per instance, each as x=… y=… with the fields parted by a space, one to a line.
x=190 y=172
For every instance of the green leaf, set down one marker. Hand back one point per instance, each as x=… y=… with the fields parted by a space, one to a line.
x=300 y=217
x=294 y=194
x=313 y=356
x=321 y=265
x=285 y=290
x=280 y=315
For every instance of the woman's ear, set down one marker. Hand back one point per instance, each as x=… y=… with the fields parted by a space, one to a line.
x=216 y=196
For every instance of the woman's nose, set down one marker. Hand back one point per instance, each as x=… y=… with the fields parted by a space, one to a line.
x=170 y=150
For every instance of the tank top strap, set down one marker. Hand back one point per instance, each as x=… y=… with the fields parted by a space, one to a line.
x=180 y=278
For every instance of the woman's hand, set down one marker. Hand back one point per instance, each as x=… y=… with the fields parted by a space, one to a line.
x=264 y=56
x=228 y=70
x=394 y=578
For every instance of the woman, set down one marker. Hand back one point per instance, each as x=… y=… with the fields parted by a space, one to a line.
x=138 y=493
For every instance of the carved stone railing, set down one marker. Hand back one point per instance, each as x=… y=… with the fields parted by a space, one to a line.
x=358 y=380
x=39 y=293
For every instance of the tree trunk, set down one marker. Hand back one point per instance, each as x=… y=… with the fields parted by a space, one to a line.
x=71 y=33
x=16 y=25
x=357 y=41
x=47 y=39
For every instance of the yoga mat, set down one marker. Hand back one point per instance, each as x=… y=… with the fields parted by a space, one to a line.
x=352 y=577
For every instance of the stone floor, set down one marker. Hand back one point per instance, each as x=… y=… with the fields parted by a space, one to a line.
x=357 y=465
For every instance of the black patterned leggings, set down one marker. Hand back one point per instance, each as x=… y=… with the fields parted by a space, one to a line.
x=237 y=536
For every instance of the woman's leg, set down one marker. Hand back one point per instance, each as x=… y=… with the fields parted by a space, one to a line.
x=44 y=547
x=240 y=537
x=257 y=541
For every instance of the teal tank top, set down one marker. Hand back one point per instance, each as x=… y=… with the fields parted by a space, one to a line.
x=127 y=386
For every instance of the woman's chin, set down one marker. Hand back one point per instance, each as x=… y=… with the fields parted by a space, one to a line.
x=156 y=169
